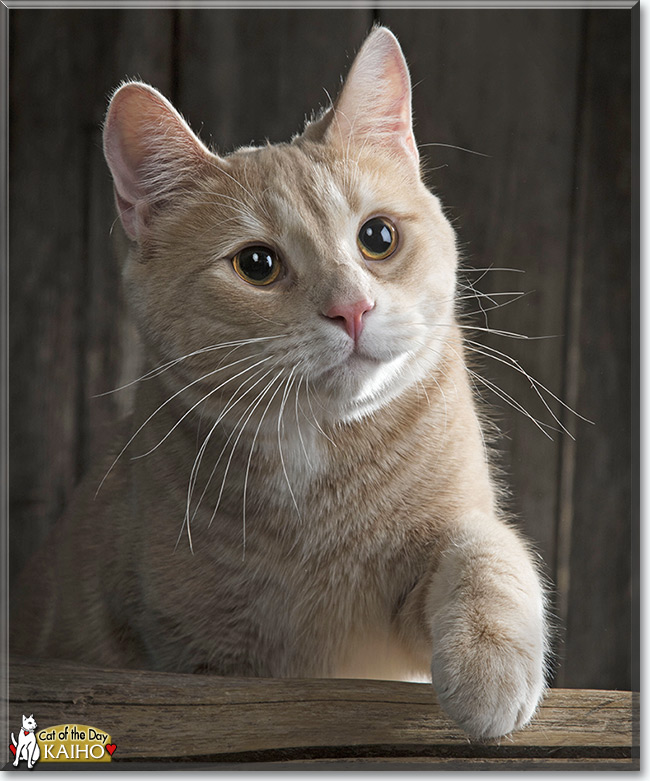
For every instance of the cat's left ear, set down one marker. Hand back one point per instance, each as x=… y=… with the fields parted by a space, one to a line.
x=374 y=106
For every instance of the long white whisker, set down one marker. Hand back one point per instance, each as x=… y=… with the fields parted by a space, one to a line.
x=508 y=360
x=302 y=442
x=156 y=411
x=288 y=385
x=241 y=431
x=484 y=309
x=314 y=414
x=501 y=393
x=164 y=367
x=197 y=462
x=248 y=466
x=478 y=293
x=532 y=385
x=204 y=398
x=484 y=271
x=498 y=332
x=199 y=458
x=515 y=404
x=459 y=148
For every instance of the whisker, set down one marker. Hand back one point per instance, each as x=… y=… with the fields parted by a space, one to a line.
x=199 y=458
x=302 y=443
x=314 y=414
x=156 y=411
x=509 y=400
x=288 y=386
x=502 y=394
x=478 y=294
x=485 y=309
x=248 y=466
x=164 y=367
x=268 y=320
x=509 y=334
x=484 y=271
x=510 y=361
x=532 y=385
x=241 y=431
x=197 y=462
x=459 y=148
x=194 y=406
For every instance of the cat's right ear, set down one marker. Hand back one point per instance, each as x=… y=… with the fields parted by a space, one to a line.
x=151 y=151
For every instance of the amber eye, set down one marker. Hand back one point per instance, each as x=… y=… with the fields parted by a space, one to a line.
x=377 y=239
x=257 y=265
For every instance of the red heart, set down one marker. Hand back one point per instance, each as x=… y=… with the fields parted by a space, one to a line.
x=13 y=750
x=110 y=747
x=26 y=731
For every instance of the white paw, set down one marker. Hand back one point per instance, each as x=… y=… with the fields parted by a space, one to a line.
x=488 y=674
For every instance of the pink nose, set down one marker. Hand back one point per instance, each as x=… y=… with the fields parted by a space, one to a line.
x=350 y=316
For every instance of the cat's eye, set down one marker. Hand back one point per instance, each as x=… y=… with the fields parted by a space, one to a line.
x=257 y=265
x=377 y=239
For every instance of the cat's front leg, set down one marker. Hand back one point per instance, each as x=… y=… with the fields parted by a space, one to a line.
x=484 y=608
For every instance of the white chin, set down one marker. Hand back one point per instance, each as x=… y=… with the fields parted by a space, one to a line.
x=361 y=386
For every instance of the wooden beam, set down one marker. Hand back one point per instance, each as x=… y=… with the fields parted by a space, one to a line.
x=209 y=720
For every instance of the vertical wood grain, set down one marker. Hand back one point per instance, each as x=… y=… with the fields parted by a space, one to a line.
x=598 y=619
x=47 y=205
x=503 y=84
x=245 y=77
x=69 y=338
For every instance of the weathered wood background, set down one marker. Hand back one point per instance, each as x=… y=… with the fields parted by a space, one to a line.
x=543 y=95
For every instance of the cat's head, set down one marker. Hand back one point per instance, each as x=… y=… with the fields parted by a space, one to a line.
x=29 y=723
x=328 y=252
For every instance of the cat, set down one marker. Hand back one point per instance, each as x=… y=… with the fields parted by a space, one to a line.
x=304 y=488
x=27 y=747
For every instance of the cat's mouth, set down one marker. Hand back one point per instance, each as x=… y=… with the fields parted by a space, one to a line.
x=356 y=364
x=358 y=361
x=356 y=356
x=359 y=376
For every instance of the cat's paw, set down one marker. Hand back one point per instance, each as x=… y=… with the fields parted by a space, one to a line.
x=488 y=674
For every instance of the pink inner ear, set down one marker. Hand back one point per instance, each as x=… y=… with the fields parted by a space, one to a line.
x=375 y=103
x=127 y=211
x=150 y=149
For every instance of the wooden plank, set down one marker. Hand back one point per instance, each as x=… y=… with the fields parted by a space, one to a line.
x=503 y=84
x=598 y=623
x=154 y=715
x=439 y=763
x=249 y=75
x=421 y=764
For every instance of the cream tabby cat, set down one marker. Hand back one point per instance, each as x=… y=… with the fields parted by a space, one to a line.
x=311 y=494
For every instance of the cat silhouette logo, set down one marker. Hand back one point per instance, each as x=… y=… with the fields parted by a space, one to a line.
x=26 y=747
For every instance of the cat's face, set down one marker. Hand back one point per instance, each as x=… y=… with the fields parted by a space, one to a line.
x=328 y=252
x=28 y=722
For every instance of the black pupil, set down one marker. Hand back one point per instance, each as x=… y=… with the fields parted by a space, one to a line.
x=376 y=237
x=257 y=263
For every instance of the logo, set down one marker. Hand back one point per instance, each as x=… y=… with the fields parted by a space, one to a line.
x=61 y=743
x=26 y=747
